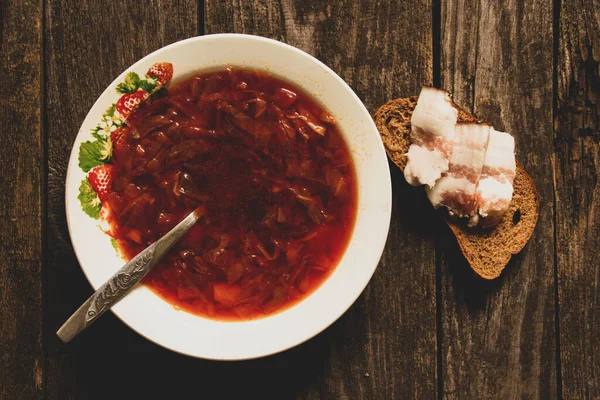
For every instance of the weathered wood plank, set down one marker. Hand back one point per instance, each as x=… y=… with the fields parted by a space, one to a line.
x=577 y=186
x=499 y=337
x=88 y=45
x=390 y=333
x=21 y=204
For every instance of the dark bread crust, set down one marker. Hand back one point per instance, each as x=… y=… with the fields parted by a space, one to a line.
x=487 y=251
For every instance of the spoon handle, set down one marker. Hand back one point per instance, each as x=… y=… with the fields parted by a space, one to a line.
x=124 y=279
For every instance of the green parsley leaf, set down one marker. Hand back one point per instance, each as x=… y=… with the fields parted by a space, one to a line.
x=90 y=203
x=115 y=246
x=96 y=133
x=92 y=154
x=131 y=84
x=111 y=110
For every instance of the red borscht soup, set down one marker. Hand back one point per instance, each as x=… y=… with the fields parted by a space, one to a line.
x=272 y=173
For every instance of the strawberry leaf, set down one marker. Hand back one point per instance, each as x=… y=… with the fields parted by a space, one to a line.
x=159 y=93
x=90 y=203
x=131 y=84
x=92 y=154
x=123 y=88
x=147 y=85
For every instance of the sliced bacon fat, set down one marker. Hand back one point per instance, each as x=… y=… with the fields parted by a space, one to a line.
x=457 y=188
x=432 y=133
x=495 y=186
x=468 y=168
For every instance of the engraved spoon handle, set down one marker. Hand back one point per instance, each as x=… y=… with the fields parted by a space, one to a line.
x=124 y=279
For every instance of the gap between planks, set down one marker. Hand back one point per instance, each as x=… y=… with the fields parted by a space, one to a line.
x=555 y=46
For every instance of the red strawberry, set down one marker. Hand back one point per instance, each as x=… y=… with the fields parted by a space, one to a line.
x=128 y=102
x=100 y=179
x=163 y=71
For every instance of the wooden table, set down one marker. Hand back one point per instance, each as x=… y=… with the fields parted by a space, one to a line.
x=425 y=327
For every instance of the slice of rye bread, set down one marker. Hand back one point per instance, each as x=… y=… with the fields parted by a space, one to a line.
x=487 y=251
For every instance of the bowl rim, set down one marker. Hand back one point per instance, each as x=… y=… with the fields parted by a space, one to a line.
x=380 y=149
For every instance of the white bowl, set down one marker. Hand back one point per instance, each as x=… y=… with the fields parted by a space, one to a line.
x=157 y=320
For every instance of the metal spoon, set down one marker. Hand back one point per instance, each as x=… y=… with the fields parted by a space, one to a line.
x=125 y=279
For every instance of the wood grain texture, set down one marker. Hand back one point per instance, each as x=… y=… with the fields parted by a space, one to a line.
x=577 y=185
x=21 y=205
x=89 y=43
x=390 y=333
x=499 y=337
